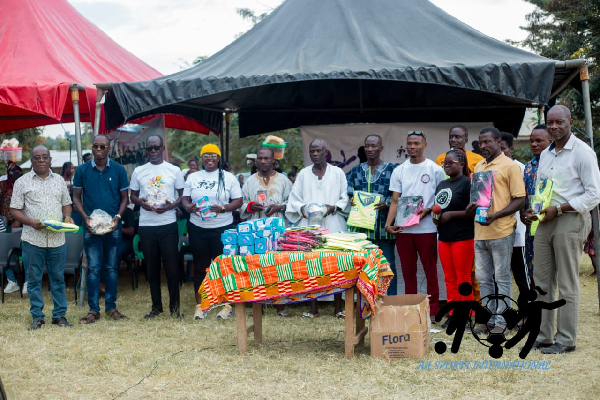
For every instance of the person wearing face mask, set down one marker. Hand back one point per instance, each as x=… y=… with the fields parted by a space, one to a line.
x=224 y=195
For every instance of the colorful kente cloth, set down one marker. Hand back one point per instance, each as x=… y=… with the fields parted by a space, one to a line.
x=291 y=277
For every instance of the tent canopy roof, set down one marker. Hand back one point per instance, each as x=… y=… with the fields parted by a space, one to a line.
x=333 y=61
x=45 y=45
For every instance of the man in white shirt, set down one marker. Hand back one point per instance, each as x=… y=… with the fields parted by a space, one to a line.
x=417 y=177
x=153 y=187
x=517 y=262
x=323 y=184
x=563 y=228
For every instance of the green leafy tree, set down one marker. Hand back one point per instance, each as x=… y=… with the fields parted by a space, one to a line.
x=569 y=29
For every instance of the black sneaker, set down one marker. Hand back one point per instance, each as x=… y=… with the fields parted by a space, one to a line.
x=36 y=324
x=62 y=322
x=153 y=313
x=445 y=323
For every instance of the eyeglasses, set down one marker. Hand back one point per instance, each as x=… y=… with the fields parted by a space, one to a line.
x=153 y=148
x=40 y=158
x=209 y=155
x=97 y=146
x=449 y=163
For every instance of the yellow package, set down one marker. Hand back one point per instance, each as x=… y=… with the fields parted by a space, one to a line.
x=541 y=200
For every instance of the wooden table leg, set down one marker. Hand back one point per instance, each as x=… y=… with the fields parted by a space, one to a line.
x=360 y=325
x=349 y=320
x=242 y=339
x=257 y=317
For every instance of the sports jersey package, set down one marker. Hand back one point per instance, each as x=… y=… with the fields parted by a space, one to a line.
x=57 y=226
x=482 y=188
x=363 y=213
x=408 y=210
x=541 y=199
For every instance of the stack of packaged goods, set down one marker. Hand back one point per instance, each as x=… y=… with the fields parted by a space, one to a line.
x=253 y=237
x=348 y=241
x=307 y=238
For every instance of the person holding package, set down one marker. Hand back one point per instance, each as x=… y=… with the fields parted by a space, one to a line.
x=494 y=238
x=42 y=194
x=265 y=193
x=101 y=184
x=564 y=225
x=373 y=176
x=210 y=196
x=323 y=184
x=456 y=229
x=153 y=186
x=416 y=177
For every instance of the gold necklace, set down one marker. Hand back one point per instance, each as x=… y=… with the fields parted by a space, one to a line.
x=267 y=178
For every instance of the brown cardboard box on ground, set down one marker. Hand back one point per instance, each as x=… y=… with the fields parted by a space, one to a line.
x=400 y=327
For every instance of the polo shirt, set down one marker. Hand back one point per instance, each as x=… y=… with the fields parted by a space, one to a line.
x=508 y=184
x=101 y=189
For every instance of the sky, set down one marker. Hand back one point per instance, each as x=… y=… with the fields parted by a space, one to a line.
x=169 y=34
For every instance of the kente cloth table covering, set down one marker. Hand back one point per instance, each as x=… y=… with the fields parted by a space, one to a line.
x=292 y=277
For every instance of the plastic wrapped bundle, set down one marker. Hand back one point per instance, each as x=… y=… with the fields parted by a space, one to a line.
x=482 y=188
x=316 y=213
x=156 y=197
x=407 y=213
x=101 y=222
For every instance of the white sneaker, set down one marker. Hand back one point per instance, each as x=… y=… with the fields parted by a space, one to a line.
x=199 y=314
x=226 y=312
x=25 y=288
x=11 y=287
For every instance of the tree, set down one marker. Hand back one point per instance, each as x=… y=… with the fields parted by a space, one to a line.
x=569 y=29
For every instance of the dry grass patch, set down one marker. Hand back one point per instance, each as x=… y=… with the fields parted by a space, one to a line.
x=179 y=359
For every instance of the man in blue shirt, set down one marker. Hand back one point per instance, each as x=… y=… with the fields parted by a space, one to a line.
x=373 y=176
x=104 y=185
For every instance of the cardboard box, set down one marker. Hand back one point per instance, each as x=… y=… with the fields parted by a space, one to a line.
x=400 y=327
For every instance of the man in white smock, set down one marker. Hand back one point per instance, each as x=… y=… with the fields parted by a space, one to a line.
x=324 y=184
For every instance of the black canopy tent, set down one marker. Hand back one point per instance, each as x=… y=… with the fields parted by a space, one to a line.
x=325 y=61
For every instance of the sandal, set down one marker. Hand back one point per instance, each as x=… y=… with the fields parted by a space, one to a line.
x=310 y=315
x=340 y=315
x=116 y=315
x=90 y=318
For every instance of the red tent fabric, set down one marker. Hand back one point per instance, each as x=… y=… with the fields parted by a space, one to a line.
x=45 y=45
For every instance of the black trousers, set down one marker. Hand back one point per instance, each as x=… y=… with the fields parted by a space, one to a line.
x=161 y=242
x=206 y=245
x=519 y=270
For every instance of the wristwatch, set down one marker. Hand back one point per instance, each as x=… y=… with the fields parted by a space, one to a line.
x=558 y=211
x=118 y=216
x=222 y=209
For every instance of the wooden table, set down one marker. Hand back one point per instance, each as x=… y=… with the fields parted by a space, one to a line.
x=352 y=337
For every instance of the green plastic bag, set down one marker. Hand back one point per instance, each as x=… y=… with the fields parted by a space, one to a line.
x=363 y=214
x=541 y=199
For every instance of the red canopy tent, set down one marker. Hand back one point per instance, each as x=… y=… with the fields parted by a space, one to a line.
x=46 y=45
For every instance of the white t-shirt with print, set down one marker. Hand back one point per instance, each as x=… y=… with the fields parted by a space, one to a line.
x=203 y=183
x=418 y=180
x=164 y=176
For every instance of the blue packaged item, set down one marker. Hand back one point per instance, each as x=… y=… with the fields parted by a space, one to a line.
x=277 y=222
x=230 y=250
x=204 y=207
x=259 y=224
x=230 y=236
x=261 y=245
x=245 y=239
x=263 y=233
x=245 y=227
x=246 y=250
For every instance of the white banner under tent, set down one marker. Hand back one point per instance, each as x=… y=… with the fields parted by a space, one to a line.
x=344 y=141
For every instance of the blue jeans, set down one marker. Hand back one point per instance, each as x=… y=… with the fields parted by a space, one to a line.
x=125 y=248
x=102 y=249
x=54 y=258
x=493 y=261
x=387 y=248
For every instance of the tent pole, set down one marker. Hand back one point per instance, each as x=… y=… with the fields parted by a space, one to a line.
x=587 y=109
x=227 y=123
x=99 y=95
x=222 y=141
x=74 y=87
